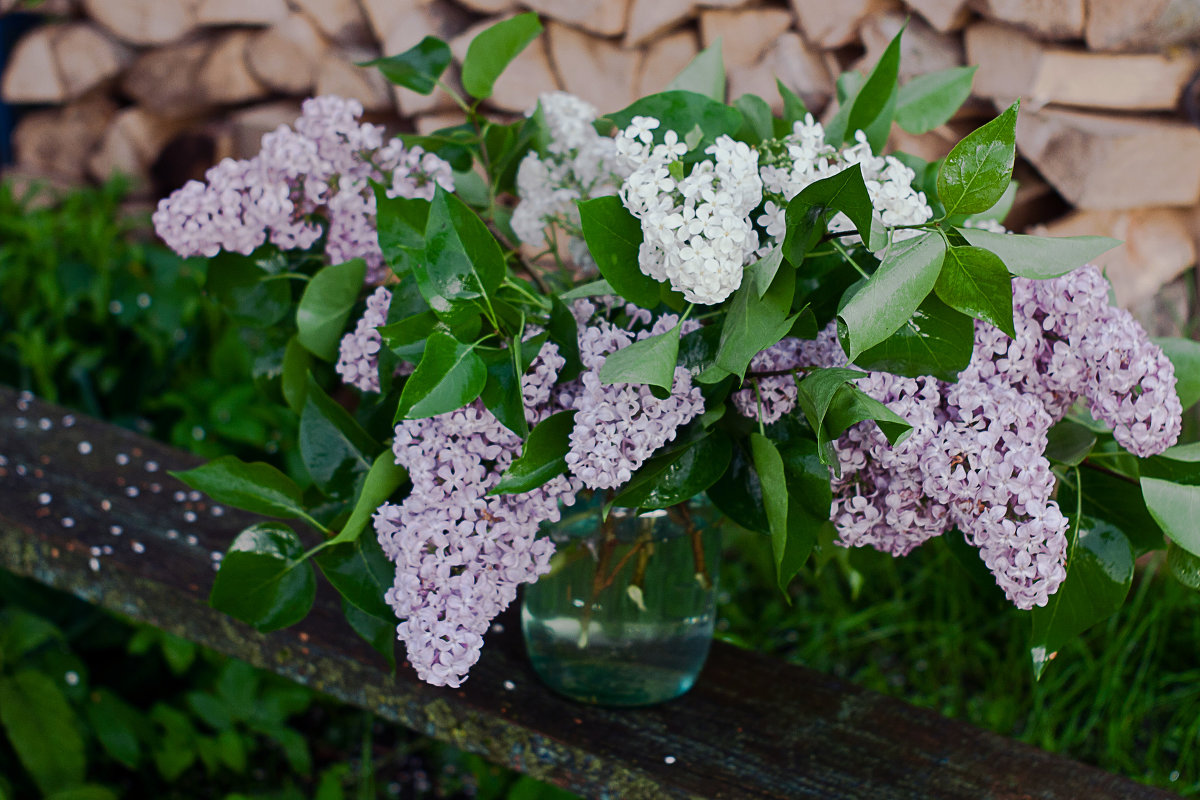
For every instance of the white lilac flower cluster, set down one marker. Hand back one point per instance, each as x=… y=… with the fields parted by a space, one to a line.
x=320 y=169
x=975 y=457
x=578 y=164
x=790 y=164
x=461 y=554
x=619 y=426
x=696 y=228
x=358 y=352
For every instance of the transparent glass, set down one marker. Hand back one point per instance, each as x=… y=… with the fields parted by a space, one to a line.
x=625 y=617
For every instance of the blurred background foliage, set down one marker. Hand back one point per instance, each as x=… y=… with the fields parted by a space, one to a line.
x=97 y=316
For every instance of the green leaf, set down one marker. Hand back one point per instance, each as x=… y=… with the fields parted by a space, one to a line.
x=1040 y=256
x=400 y=224
x=976 y=172
x=873 y=99
x=501 y=393
x=240 y=285
x=1171 y=488
x=1069 y=443
x=175 y=748
x=564 y=332
x=930 y=100
x=449 y=376
x=768 y=464
x=1185 y=356
x=116 y=725
x=976 y=282
x=491 y=52
x=380 y=633
x=670 y=478
x=758 y=123
x=592 y=289
x=937 y=341
x=1099 y=573
x=794 y=109
x=87 y=792
x=463 y=261
x=417 y=68
x=326 y=305
x=361 y=573
x=22 y=632
x=256 y=486
x=891 y=296
x=682 y=111
x=816 y=393
x=1117 y=501
x=809 y=211
x=753 y=323
x=406 y=337
x=999 y=211
x=851 y=405
x=334 y=447
x=543 y=457
x=738 y=493
x=766 y=270
x=43 y=730
x=261 y=581
x=837 y=131
x=704 y=74
x=650 y=361
x=383 y=479
x=297 y=361
x=614 y=237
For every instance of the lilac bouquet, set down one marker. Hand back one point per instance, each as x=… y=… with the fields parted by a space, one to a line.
x=684 y=297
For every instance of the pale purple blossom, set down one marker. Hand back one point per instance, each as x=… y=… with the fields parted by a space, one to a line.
x=358 y=353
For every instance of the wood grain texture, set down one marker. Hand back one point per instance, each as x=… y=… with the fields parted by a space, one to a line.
x=753 y=728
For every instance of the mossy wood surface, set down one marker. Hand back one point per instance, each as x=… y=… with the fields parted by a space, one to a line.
x=752 y=727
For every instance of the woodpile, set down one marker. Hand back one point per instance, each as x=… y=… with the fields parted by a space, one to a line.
x=159 y=89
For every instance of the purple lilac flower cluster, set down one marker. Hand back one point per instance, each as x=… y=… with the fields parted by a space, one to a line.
x=358 y=353
x=975 y=457
x=459 y=553
x=321 y=168
x=619 y=426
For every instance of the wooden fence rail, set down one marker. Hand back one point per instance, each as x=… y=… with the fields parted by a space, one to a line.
x=87 y=507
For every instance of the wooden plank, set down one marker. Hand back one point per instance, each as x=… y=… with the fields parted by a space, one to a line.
x=753 y=728
x=1146 y=25
x=1013 y=64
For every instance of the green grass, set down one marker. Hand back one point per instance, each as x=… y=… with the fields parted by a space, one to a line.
x=1125 y=696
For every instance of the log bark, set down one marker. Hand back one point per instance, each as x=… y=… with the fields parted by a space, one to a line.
x=87 y=57
x=797 y=64
x=1012 y=64
x=131 y=144
x=1049 y=19
x=58 y=142
x=337 y=74
x=649 y=19
x=922 y=49
x=664 y=59
x=601 y=17
x=1101 y=162
x=831 y=25
x=225 y=77
x=240 y=12
x=162 y=80
x=580 y=60
x=944 y=15
x=342 y=21
x=32 y=74
x=746 y=34
x=286 y=55
x=144 y=22
x=1146 y=25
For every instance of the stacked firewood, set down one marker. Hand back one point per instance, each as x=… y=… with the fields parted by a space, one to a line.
x=161 y=89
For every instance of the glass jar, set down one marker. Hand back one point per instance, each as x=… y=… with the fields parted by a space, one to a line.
x=625 y=617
